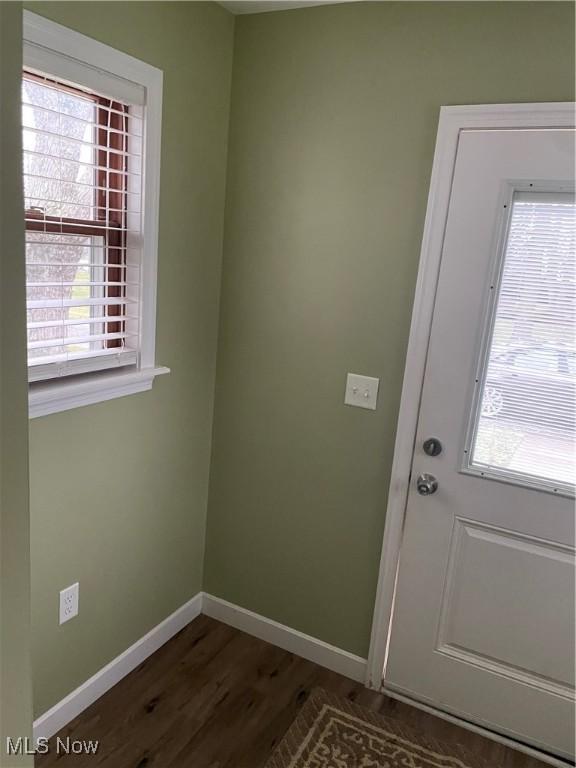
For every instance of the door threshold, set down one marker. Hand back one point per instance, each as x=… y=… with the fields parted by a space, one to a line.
x=507 y=741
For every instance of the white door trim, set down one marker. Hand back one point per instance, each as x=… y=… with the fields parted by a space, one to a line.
x=452 y=121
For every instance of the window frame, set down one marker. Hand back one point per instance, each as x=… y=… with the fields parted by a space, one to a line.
x=93 y=64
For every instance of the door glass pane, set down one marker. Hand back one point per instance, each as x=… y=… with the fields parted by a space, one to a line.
x=525 y=421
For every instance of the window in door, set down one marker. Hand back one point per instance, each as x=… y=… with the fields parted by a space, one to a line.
x=524 y=424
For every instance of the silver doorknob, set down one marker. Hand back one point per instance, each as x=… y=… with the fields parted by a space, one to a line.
x=426 y=484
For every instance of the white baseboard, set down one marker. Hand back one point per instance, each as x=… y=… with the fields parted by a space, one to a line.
x=76 y=702
x=291 y=640
x=270 y=631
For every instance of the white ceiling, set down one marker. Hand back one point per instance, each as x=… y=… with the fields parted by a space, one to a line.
x=262 y=6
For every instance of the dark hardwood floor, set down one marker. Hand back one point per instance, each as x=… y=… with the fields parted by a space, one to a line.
x=214 y=697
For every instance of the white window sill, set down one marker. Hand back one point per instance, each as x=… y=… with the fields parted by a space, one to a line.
x=60 y=395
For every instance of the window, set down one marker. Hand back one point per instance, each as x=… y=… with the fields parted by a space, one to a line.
x=525 y=428
x=91 y=133
x=82 y=158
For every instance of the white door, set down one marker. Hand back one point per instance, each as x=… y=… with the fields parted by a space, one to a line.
x=483 y=622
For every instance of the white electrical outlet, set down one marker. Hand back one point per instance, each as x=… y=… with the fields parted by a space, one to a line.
x=69 y=602
x=361 y=391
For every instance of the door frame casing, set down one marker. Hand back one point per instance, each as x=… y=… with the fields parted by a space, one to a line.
x=453 y=120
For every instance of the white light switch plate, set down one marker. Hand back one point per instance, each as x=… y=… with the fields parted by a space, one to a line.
x=361 y=391
x=69 y=602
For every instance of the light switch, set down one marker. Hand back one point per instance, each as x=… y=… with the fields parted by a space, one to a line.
x=361 y=391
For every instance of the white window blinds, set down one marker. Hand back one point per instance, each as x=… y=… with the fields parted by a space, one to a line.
x=82 y=186
x=526 y=421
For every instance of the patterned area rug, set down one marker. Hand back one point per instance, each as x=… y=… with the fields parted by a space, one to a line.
x=331 y=732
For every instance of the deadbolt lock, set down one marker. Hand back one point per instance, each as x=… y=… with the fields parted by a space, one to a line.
x=432 y=446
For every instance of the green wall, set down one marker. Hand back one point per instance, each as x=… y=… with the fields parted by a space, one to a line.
x=333 y=122
x=119 y=489
x=15 y=669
